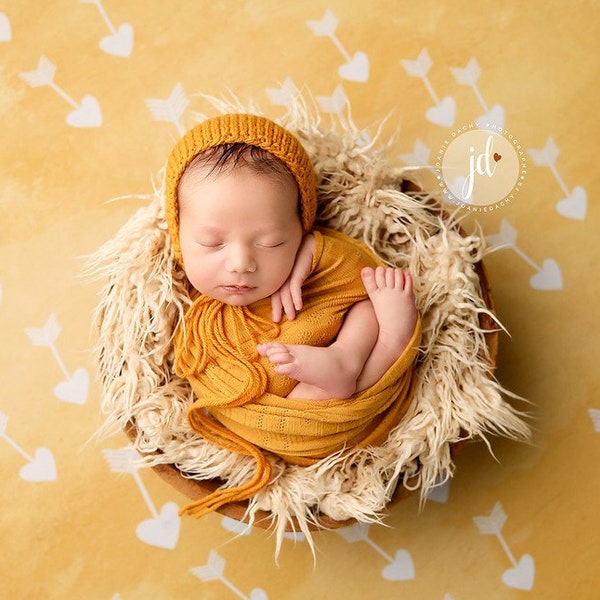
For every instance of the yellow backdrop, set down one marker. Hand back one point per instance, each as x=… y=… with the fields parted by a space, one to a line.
x=93 y=94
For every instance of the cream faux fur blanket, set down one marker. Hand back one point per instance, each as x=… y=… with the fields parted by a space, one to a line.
x=144 y=297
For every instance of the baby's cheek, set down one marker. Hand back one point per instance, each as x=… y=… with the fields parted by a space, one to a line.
x=284 y=271
x=197 y=277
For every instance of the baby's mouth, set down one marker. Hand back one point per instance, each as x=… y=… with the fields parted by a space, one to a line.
x=238 y=289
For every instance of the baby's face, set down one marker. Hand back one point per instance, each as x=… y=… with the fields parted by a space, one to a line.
x=239 y=232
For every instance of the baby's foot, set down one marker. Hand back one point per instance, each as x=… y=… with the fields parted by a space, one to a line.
x=326 y=369
x=391 y=294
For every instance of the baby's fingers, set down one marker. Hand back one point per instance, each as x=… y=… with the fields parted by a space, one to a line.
x=276 y=307
x=287 y=302
x=282 y=303
x=296 y=293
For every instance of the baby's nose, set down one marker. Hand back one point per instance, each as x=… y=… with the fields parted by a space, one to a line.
x=240 y=259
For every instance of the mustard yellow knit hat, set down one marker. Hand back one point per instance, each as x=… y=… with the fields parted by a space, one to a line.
x=239 y=128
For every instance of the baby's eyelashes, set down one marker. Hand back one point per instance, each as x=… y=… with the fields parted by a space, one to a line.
x=205 y=245
x=215 y=244
x=277 y=245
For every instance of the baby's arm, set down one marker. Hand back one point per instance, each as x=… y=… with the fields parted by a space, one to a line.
x=288 y=298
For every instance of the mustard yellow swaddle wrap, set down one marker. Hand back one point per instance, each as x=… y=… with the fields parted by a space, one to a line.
x=242 y=402
x=245 y=400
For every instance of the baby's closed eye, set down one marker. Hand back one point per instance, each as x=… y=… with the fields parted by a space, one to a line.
x=271 y=244
x=210 y=243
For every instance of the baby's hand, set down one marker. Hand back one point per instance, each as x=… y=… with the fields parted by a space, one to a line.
x=288 y=298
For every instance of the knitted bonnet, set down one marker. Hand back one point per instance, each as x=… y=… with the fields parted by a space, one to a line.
x=239 y=128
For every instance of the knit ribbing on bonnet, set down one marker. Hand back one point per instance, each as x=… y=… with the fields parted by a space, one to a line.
x=241 y=403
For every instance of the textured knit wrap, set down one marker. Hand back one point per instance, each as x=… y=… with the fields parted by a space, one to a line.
x=241 y=401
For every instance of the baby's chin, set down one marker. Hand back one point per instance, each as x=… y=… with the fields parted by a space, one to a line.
x=239 y=298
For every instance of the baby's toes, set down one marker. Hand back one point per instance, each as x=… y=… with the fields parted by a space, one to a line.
x=368 y=277
x=391 y=277
x=277 y=353
x=281 y=357
x=381 y=277
x=407 y=283
x=262 y=349
x=269 y=348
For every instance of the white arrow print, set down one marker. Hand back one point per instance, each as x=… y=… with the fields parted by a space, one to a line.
x=120 y=41
x=125 y=460
x=85 y=114
x=283 y=95
x=75 y=387
x=238 y=527
x=162 y=529
x=595 y=416
x=335 y=103
x=574 y=206
x=213 y=571
x=170 y=109
x=356 y=68
x=444 y=111
x=5 y=28
x=40 y=467
x=548 y=276
x=400 y=567
x=521 y=576
x=441 y=490
x=44 y=75
x=469 y=76
x=419 y=156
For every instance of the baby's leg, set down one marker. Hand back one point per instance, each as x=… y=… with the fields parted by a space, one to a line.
x=331 y=371
x=373 y=336
x=391 y=294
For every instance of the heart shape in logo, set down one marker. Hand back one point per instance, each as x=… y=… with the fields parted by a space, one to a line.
x=163 y=530
x=401 y=569
x=548 y=278
x=574 y=206
x=41 y=468
x=87 y=114
x=443 y=113
x=357 y=69
x=497 y=156
x=119 y=43
x=522 y=576
x=75 y=389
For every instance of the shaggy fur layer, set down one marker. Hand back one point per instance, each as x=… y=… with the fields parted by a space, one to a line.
x=145 y=295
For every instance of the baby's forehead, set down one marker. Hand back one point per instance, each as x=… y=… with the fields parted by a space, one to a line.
x=222 y=162
x=205 y=192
